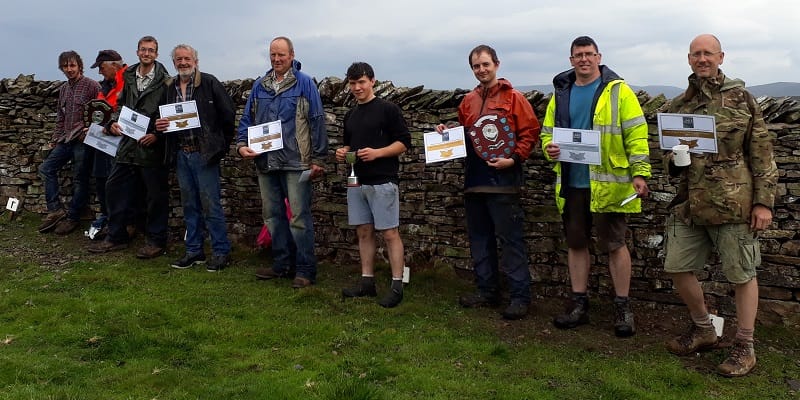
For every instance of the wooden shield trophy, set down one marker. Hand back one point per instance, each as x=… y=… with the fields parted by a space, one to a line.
x=492 y=138
x=97 y=112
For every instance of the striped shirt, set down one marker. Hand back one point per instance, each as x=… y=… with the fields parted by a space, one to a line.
x=72 y=98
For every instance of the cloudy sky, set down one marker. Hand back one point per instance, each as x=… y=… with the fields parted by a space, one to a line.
x=412 y=42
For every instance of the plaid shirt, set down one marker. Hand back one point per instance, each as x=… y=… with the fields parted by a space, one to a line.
x=72 y=97
x=188 y=139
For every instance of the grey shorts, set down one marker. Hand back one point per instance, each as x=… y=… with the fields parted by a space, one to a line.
x=688 y=247
x=378 y=205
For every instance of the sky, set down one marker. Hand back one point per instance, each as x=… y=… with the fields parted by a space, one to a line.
x=411 y=42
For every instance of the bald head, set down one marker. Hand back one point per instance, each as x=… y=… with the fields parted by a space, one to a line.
x=705 y=56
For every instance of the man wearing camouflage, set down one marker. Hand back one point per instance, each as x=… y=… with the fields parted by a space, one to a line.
x=723 y=200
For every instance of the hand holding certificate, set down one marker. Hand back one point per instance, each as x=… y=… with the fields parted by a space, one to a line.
x=180 y=115
x=265 y=137
x=448 y=145
x=132 y=123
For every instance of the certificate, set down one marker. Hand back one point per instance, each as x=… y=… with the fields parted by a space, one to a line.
x=444 y=146
x=180 y=115
x=699 y=132
x=265 y=137
x=106 y=143
x=133 y=124
x=580 y=146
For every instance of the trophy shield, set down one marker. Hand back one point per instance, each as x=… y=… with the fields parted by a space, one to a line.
x=492 y=137
x=97 y=112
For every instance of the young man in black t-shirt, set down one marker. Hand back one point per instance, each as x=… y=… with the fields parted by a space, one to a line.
x=376 y=132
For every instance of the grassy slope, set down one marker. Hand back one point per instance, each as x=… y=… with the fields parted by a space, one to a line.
x=97 y=327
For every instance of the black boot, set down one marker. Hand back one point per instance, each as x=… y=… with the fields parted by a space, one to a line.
x=365 y=287
x=623 y=317
x=395 y=295
x=576 y=314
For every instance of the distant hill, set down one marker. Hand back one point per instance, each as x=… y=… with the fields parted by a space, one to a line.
x=777 y=89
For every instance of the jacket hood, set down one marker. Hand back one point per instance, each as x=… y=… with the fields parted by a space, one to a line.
x=295 y=67
x=720 y=80
x=160 y=71
x=565 y=79
x=502 y=84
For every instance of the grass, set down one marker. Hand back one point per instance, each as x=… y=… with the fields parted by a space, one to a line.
x=80 y=326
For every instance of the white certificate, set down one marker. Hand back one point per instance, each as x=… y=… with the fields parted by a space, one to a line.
x=133 y=124
x=265 y=137
x=580 y=146
x=100 y=141
x=699 y=132
x=444 y=146
x=180 y=115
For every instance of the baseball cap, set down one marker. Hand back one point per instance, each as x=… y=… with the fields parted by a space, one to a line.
x=106 y=55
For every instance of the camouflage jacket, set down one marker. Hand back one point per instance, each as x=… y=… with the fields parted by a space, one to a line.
x=722 y=188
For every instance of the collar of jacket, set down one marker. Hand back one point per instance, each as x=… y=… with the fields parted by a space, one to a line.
x=565 y=79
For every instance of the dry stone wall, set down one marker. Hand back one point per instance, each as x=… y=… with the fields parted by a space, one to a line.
x=432 y=213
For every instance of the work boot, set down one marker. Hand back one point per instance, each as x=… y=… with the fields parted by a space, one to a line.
x=65 y=226
x=623 y=318
x=478 y=299
x=51 y=220
x=395 y=295
x=576 y=314
x=365 y=287
x=741 y=361
x=696 y=339
x=516 y=310
x=150 y=250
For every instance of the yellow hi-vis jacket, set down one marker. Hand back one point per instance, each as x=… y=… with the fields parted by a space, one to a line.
x=624 y=151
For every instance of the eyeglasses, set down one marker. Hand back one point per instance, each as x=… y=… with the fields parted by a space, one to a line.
x=707 y=54
x=581 y=56
x=147 y=50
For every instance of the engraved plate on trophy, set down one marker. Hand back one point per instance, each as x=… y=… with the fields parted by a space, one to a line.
x=97 y=112
x=492 y=138
x=350 y=158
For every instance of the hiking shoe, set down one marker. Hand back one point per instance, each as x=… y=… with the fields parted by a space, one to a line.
x=696 y=339
x=65 y=227
x=269 y=273
x=365 y=287
x=741 y=361
x=515 y=310
x=106 y=246
x=299 y=282
x=51 y=220
x=218 y=262
x=392 y=299
x=576 y=314
x=477 y=300
x=189 y=260
x=624 y=325
x=150 y=251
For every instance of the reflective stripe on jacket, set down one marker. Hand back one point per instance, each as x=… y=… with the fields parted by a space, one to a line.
x=624 y=152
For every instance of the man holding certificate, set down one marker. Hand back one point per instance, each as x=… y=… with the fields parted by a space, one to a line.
x=288 y=100
x=502 y=129
x=724 y=200
x=199 y=151
x=139 y=159
x=593 y=114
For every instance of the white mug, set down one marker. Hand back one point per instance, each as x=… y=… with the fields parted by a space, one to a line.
x=680 y=155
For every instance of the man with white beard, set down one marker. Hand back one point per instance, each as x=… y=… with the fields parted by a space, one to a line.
x=199 y=151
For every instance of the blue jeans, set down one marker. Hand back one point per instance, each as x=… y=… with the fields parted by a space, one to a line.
x=292 y=241
x=493 y=218
x=59 y=156
x=202 y=209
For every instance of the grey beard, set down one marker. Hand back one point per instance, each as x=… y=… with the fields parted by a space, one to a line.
x=187 y=74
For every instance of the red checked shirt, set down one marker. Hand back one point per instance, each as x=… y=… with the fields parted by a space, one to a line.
x=72 y=98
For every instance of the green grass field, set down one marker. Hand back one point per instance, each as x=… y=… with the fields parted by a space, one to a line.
x=81 y=326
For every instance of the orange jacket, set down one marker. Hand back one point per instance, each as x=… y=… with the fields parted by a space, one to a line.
x=113 y=95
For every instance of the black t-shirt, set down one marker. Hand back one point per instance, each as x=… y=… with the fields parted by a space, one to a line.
x=376 y=124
